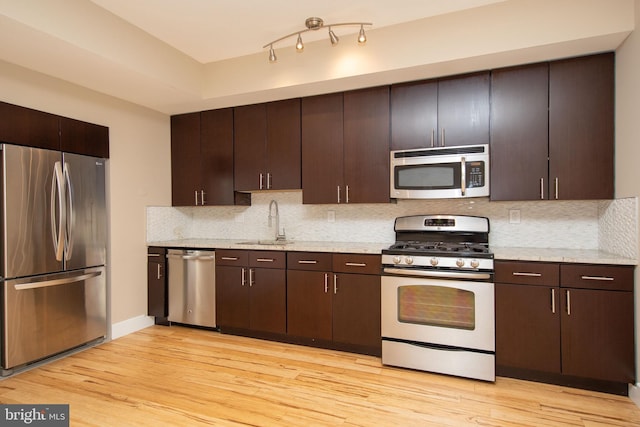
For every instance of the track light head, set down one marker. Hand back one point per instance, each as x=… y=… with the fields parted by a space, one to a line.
x=332 y=36
x=362 y=38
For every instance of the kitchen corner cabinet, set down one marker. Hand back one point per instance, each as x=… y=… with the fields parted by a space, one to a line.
x=251 y=290
x=552 y=130
x=345 y=147
x=24 y=126
x=573 y=321
x=157 y=301
x=334 y=300
x=267 y=146
x=436 y=113
x=202 y=159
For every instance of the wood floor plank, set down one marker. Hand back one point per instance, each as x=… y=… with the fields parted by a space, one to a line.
x=176 y=376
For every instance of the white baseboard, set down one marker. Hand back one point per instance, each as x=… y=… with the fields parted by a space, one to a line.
x=634 y=394
x=129 y=326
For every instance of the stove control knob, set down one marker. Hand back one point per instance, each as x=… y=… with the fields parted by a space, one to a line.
x=475 y=263
x=409 y=260
x=460 y=262
x=397 y=259
x=434 y=261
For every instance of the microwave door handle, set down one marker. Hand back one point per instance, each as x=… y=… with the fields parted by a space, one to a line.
x=463 y=175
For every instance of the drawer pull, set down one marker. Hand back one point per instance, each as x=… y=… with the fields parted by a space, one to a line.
x=229 y=258
x=153 y=255
x=601 y=278
x=305 y=261
x=515 y=273
x=553 y=301
x=265 y=260
x=355 y=264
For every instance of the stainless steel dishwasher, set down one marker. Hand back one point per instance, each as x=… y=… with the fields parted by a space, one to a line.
x=192 y=287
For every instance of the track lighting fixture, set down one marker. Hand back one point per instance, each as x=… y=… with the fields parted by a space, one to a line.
x=314 y=24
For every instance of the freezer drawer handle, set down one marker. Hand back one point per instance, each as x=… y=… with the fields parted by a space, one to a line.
x=56 y=282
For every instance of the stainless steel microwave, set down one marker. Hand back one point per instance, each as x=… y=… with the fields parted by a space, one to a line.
x=440 y=173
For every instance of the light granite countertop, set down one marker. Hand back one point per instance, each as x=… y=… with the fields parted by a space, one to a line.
x=500 y=253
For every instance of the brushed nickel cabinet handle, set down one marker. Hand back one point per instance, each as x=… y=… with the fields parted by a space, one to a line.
x=553 y=301
x=326 y=283
x=244 y=277
x=261 y=181
x=433 y=136
x=265 y=260
x=229 y=258
x=202 y=201
x=307 y=261
x=556 y=185
x=442 y=137
x=516 y=273
x=568 y=303
x=347 y=194
x=541 y=188
x=335 y=284
x=600 y=278
x=159 y=272
x=196 y=193
x=251 y=278
x=338 y=194
x=355 y=264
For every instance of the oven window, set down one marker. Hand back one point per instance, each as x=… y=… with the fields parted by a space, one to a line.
x=437 y=306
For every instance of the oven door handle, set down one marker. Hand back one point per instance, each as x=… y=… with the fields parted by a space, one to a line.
x=429 y=273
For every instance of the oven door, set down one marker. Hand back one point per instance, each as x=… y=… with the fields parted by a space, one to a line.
x=452 y=313
x=451 y=172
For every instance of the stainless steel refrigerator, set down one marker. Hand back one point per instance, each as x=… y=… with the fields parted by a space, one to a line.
x=53 y=253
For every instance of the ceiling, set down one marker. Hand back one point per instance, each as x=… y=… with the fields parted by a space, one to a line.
x=191 y=55
x=214 y=30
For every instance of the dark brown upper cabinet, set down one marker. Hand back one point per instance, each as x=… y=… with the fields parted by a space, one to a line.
x=267 y=146
x=437 y=113
x=581 y=128
x=520 y=133
x=345 y=147
x=202 y=159
x=24 y=126
x=552 y=130
x=84 y=138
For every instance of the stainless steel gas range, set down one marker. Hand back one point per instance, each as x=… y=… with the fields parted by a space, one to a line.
x=438 y=296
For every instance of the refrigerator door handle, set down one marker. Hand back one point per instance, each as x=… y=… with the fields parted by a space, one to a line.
x=70 y=213
x=57 y=230
x=56 y=282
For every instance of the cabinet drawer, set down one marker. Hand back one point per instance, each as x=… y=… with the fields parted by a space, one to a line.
x=316 y=261
x=232 y=257
x=156 y=254
x=527 y=273
x=268 y=259
x=357 y=263
x=595 y=276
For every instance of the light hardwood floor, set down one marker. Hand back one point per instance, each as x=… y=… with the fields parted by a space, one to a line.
x=176 y=376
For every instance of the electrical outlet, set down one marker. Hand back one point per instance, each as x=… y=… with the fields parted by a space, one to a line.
x=331 y=216
x=514 y=216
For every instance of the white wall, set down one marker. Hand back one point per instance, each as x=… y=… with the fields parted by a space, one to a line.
x=628 y=139
x=138 y=171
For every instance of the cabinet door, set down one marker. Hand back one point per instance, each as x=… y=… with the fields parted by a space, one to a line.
x=268 y=300
x=216 y=147
x=250 y=132
x=528 y=327
x=520 y=133
x=366 y=145
x=356 y=310
x=581 y=133
x=157 y=283
x=24 y=126
x=84 y=138
x=185 y=159
x=309 y=309
x=597 y=334
x=463 y=110
x=232 y=297
x=283 y=145
x=414 y=115
x=322 y=149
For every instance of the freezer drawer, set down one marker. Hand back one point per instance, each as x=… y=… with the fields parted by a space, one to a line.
x=49 y=314
x=192 y=290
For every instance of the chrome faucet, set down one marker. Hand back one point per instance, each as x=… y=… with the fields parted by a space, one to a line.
x=278 y=235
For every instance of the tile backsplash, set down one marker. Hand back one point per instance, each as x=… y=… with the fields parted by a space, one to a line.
x=609 y=225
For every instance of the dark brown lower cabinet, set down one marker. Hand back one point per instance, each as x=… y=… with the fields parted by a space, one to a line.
x=251 y=291
x=336 y=309
x=570 y=324
x=157 y=301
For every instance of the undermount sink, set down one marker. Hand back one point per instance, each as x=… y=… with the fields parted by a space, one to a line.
x=266 y=242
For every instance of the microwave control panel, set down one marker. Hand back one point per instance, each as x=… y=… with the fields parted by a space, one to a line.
x=475 y=174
